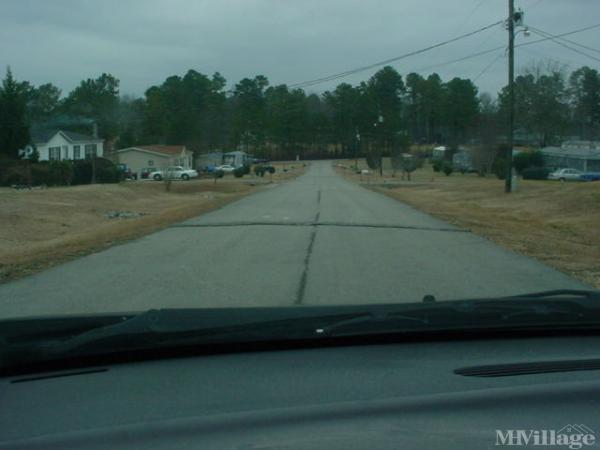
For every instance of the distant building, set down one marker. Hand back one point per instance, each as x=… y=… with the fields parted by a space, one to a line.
x=462 y=160
x=207 y=160
x=147 y=158
x=580 y=155
x=439 y=152
x=60 y=145
x=236 y=159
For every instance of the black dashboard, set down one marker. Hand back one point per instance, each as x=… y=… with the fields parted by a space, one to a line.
x=404 y=395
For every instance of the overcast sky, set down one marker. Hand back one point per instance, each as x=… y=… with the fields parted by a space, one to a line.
x=141 y=42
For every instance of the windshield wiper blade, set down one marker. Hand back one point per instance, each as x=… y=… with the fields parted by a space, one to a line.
x=372 y=318
x=579 y=293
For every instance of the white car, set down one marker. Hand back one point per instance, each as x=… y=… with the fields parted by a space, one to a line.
x=566 y=175
x=225 y=168
x=173 y=173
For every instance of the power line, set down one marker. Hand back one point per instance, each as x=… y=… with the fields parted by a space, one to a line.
x=534 y=5
x=568 y=33
x=565 y=39
x=390 y=60
x=463 y=58
x=502 y=47
x=470 y=15
x=556 y=41
x=474 y=55
x=488 y=67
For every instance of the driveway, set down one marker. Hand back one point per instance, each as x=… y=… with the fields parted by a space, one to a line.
x=317 y=240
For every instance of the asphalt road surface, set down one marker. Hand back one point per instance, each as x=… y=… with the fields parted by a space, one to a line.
x=317 y=240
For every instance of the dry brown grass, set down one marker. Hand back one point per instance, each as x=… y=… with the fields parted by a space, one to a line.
x=42 y=228
x=557 y=223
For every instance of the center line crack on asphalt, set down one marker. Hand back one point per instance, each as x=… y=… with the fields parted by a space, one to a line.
x=313 y=235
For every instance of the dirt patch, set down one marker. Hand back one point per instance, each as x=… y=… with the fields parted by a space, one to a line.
x=43 y=228
x=556 y=223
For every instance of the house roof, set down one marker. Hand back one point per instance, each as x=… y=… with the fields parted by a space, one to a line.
x=235 y=153
x=582 y=153
x=42 y=136
x=163 y=150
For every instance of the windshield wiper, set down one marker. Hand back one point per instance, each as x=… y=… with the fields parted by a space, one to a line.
x=171 y=329
x=579 y=293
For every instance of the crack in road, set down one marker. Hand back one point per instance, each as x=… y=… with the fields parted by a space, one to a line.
x=317 y=223
x=304 y=277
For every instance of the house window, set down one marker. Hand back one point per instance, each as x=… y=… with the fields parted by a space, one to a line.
x=54 y=153
x=76 y=152
x=65 y=151
x=90 y=151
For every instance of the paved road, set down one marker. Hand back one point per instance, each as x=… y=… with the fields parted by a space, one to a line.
x=314 y=241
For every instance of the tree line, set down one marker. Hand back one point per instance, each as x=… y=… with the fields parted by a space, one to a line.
x=382 y=115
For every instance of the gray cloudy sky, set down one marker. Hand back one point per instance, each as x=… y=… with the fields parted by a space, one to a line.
x=142 y=42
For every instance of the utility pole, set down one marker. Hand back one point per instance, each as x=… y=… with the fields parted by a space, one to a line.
x=356 y=148
x=511 y=95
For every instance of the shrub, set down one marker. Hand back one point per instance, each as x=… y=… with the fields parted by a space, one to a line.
x=259 y=171
x=246 y=169
x=239 y=172
x=60 y=173
x=271 y=170
x=15 y=174
x=447 y=168
x=106 y=171
x=437 y=165
x=82 y=172
x=219 y=174
x=535 y=173
x=40 y=174
x=522 y=161
x=499 y=168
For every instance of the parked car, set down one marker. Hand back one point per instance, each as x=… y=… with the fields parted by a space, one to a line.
x=225 y=168
x=566 y=175
x=129 y=175
x=590 y=176
x=174 y=173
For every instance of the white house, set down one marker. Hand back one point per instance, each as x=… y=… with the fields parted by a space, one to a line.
x=439 y=152
x=146 y=158
x=236 y=158
x=57 y=145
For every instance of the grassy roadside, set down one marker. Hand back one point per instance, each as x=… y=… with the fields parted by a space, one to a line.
x=556 y=223
x=42 y=228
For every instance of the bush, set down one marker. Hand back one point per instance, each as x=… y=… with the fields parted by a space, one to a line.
x=535 y=173
x=239 y=172
x=60 y=173
x=447 y=168
x=522 y=161
x=499 y=168
x=271 y=170
x=15 y=174
x=437 y=165
x=82 y=172
x=40 y=174
x=246 y=169
x=259 y=171
x=106 y=171
x=219 y=174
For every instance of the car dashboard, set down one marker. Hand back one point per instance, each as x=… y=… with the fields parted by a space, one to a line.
x=438 y=395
